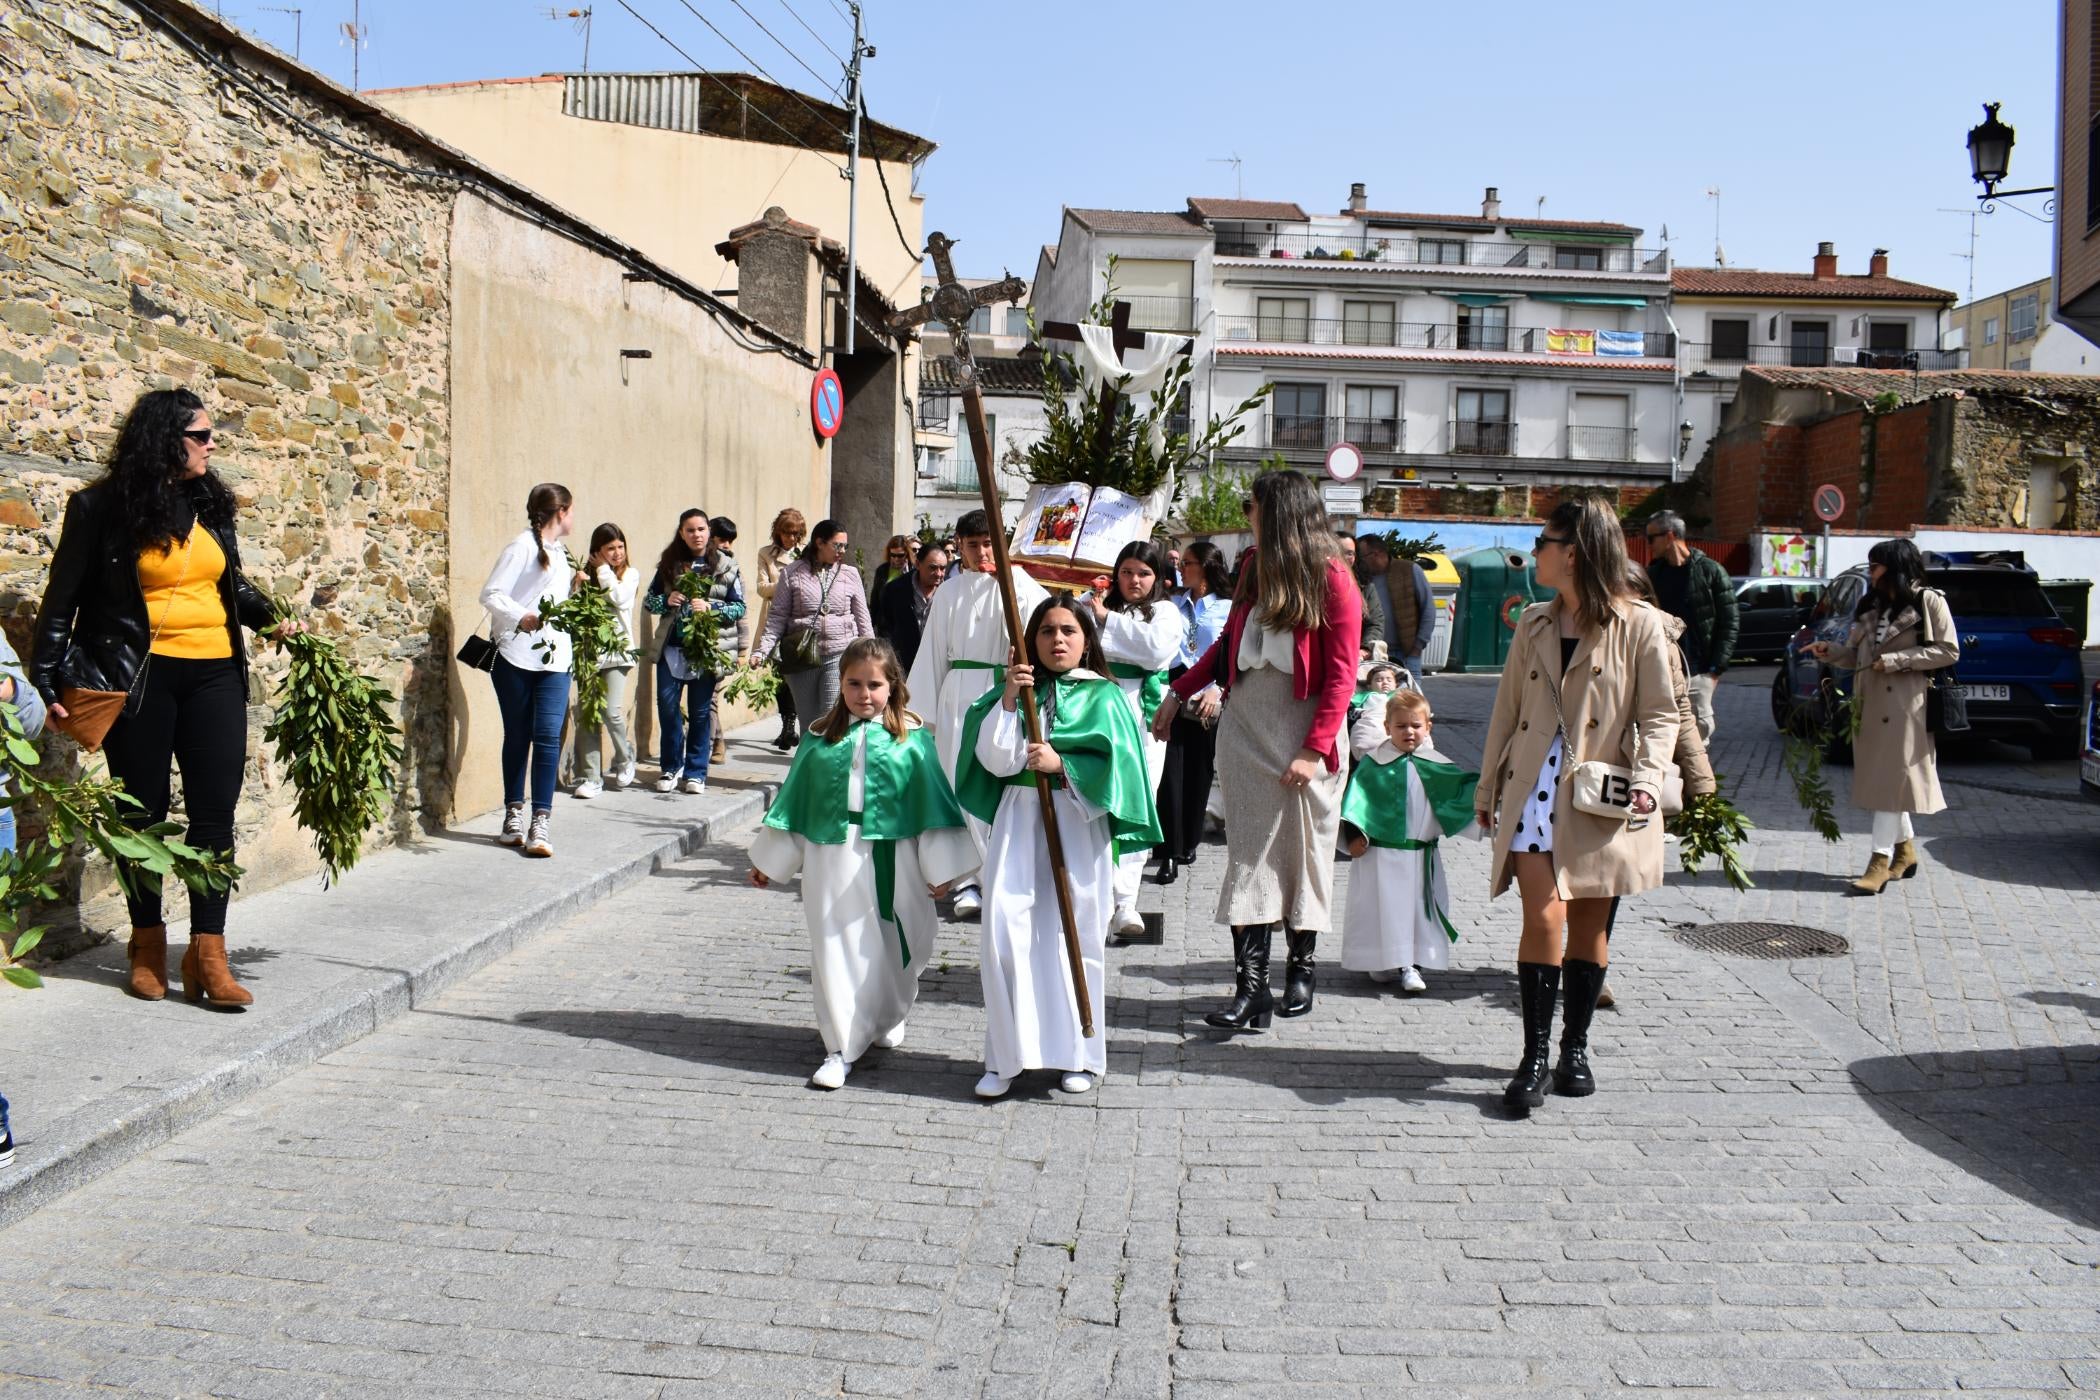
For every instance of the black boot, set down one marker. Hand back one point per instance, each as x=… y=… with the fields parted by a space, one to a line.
x=1538 y=984
x=1252 y=1002
x=1298 y=975
x=1579 y=983
x=1167 y=872
x=786 y=738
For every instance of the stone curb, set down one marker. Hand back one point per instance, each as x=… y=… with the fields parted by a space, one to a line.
x=75 y=1149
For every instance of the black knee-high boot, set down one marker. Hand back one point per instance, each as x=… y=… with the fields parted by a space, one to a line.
x=1579 y=983
x=1298 y=973
x=1252 y=1002
x=1539 y=985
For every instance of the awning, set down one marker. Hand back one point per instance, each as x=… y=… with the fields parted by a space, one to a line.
x=1578 y=299
x=1475 y=298
x=1570 y=236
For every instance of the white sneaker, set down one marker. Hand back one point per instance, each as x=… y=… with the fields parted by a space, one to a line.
x=625 y=777
x=891 y=1038
x=1383 y=974
x=667 y=783
x=587 y=790
x=969 y=903
x=1077 y=1082
x=993 y=1086
x=1411 y=982
x=1126 y=921
x=513 y=833
x=832 y=1073
x=693 y=787
x=536 y=840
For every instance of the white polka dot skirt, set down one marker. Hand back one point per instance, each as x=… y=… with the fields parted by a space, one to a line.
x=1535 y=828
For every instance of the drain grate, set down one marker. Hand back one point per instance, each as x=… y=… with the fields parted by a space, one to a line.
x=1763 y=940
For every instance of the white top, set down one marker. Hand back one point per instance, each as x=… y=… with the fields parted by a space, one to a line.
x=517 y=586
x=1150 y=645
x=624 y=591
x=1264 y=646
x=966 y=622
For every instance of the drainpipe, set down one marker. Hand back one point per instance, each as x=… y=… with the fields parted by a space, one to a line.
x=1677 y=385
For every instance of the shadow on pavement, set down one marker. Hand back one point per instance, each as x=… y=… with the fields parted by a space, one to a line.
x=2039 y=856
x=2022 y=1120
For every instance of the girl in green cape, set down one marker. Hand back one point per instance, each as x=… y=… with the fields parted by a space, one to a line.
x=868 y=819
x=1094 y=759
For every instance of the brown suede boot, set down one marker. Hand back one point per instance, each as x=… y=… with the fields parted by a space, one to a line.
x=149 y=962
x=205 y=975
x=1904 y=863
x=1877 y=875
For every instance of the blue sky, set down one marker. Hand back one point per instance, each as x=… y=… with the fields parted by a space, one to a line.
x=1840 y=120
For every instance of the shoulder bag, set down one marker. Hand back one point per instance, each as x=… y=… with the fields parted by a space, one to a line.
x=90 y=714
x=477 y=652
x=802 y=645
x=1946 y=704
x=1606 y=789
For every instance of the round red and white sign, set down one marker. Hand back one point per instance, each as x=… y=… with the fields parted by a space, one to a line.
x=1829 y=503
x=827 y=403
x=1345 y=462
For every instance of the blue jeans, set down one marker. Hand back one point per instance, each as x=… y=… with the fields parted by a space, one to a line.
x=7 y=829
x=533 y=704
x=684 y=742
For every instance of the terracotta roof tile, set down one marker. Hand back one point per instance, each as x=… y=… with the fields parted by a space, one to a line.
x=1268 y=210
x=1872 y=383
x=1135 y=220
x=1749 y=282
x=994 y=376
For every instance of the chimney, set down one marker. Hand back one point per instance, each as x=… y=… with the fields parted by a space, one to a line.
x=1491 y=207
x=1356 y=198
x=1826 y=262
x=1878 y=265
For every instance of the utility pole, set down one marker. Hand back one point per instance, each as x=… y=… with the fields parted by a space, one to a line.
x=1970 y=214
x=860 y=50
x=298 y=23
x=354 y=35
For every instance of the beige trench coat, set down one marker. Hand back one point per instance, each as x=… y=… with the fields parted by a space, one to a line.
x=1619 y=677
x=1692 y=762
x=1895 y=767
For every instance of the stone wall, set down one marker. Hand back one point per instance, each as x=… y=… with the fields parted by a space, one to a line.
x=1997 y=440
x=159 y=227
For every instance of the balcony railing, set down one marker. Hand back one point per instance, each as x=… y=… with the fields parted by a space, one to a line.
x=937 y=412
x=1321 y=431
x=1570 y=254
x=1303 y=439
x=1483 y=437
x=1590 y=443
x=1706 y=357
x=953 y=475
x=1283 y=329
x=1161 y=313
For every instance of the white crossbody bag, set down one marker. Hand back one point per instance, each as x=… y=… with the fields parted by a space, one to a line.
x=1606 y=789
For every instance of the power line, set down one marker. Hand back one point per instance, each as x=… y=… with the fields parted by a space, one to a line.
x=812 y=33
x=831 y=87
x=841 y=13
x=702 y=70
x=895 y=222
x=759 y=67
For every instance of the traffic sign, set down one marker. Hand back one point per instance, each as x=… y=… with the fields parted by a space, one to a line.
x=1829 y=503
x=1344 y=462
x=1342 y=499
x=827 y=403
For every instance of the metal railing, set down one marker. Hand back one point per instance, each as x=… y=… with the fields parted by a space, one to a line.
x=1161 y=313
x=1592 y=443
x=1483 y=437
x=1274 y=328
x=1567 y=254
x=937 y=412
x=1321 y=431
x=1710 y=358
x=955 y=475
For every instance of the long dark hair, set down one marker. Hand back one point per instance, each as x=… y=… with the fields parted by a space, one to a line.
x=1598 y=576
x=676 y=558
x=837 y=724
x=1210 y=562
x=1287 y=573
x=1152 y=556
x=1092 y=658
x=609 y=533
x=1902 y=582
x=146 y=472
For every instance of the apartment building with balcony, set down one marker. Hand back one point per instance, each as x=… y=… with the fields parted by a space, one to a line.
x=1730 y=318
x=1476 y=348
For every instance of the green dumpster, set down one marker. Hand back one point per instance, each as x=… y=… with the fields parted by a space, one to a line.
x=1494 y=586
x=2070 y=595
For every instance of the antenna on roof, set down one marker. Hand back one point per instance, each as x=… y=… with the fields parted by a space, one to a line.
x=1971 y=254
x=582 y=16
x=357 y=37
x=1713 y=192
x=298 y=23
x=1238 y=190
x=1538 y=211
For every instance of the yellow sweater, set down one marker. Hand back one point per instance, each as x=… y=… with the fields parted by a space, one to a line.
x=182 y=598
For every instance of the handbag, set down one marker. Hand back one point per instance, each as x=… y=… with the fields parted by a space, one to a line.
x=1946 y=703
x=801 y=646
x=478 y=653
x=1606 y=789
x=91 y=714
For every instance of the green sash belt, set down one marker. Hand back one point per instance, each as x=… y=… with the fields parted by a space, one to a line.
x=1150 y=693
x=1428 y=850
x=997 y=667
x=884 y=854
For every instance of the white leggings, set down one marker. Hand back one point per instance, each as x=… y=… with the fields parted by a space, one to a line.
x=1889 y=828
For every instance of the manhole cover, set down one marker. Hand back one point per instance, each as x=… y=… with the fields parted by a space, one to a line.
x=1764 y=940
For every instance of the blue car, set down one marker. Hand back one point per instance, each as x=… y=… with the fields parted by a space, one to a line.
x=2019 y=664
x=2089 y=755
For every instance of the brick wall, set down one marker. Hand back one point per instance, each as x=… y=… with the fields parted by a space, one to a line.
x=1901 y=470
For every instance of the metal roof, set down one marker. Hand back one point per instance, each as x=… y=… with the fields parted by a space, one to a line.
x=737 y=105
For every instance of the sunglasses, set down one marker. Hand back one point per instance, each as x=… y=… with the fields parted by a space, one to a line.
x=198 y=435
x=1246 y=505
x=1544 y=539
x=1658 y=538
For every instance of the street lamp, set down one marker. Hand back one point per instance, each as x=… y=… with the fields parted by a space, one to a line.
x=1684 y=438
x=1990 y=156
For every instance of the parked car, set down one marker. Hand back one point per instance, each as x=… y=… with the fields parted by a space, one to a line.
x=2019 y=664
x=1770 y=611
x=2089 y=752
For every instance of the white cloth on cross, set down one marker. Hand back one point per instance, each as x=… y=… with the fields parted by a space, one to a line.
x=1146 y=368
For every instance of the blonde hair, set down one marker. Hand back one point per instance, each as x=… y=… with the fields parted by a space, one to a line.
x=1409 y=702
x=789 y=522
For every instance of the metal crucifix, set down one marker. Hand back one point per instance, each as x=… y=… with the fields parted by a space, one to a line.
x=952 y=304
x=1123 y=338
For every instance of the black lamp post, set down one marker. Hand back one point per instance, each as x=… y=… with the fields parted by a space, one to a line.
x=1684 y=437
x=1990 y=156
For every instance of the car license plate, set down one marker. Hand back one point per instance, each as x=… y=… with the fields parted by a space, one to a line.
x=1985 y=692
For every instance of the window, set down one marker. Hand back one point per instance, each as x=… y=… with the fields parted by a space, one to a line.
x=1597 y=431
x=1283 y=318
x=1731 y=339
x=1809 y=344
x=1483 y=422
x=1373 y=420
x=960 y=473
x=1017 y=320
x=1443 y=250
x=1298 y=415
x=1367 y=323
x=1161 y=292
x=2020 y=317
x=1579 y=259
x=2021 y=364
x=1990 y=330
x=1888 y=335
x=1483 y=328
x=981 y=321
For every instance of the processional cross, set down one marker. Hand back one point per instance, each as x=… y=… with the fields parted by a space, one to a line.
x=952 y=304
x=1123 y=338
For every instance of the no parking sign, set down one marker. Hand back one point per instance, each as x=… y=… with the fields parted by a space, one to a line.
x=827 y=403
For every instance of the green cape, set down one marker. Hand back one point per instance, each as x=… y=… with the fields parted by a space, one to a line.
x=1097 y=736
x=1150 y=693
x=1376 y=804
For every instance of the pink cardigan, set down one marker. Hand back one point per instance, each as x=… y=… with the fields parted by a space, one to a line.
x=1326 y=659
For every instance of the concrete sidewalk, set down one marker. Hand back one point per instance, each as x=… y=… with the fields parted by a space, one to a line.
x=96 y=1077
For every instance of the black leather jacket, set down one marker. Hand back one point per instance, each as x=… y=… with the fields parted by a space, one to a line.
x=92 y=630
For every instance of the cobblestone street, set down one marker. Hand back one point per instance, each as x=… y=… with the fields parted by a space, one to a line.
x=594 y=1168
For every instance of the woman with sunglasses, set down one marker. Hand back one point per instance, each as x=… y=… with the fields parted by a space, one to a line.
x=898 y=557
x=1588 y=679
x=147 y=598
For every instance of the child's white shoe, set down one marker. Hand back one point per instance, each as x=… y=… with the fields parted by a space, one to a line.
x=667 y=783
x=587 y=790
x=1077 y=1082
x=891 y=1038
x=994 y=1086
x=1383 y=974
x=969 y=903
x=1126 y=920
x=832 y=1073
x=1411 y=982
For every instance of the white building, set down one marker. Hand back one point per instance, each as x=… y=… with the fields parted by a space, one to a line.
x=1475 y=349
x=1729 y=317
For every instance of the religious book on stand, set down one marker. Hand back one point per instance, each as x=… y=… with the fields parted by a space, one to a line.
x=1071 y=532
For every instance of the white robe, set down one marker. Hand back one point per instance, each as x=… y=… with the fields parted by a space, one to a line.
x=1152 y=646
x=858 y=978
x=1031 y=1018
x=1384 y=925
x=964 y=623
